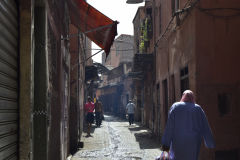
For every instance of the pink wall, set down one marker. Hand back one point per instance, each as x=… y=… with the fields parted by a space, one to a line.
x=218 y=60
x=209 y=47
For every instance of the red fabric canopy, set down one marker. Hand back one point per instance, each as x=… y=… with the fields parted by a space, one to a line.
x=97 y=27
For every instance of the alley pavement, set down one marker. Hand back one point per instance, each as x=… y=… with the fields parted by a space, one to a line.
x=117 y=140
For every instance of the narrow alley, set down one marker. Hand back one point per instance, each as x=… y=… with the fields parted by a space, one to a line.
x=116 y=140
x=171 y=65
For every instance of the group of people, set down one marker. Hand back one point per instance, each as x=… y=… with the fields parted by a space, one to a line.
x=186 y=126
x=89 y=109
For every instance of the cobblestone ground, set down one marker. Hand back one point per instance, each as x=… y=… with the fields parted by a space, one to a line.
x=116 y=140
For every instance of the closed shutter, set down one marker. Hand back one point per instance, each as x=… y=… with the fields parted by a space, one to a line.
x=8 y=80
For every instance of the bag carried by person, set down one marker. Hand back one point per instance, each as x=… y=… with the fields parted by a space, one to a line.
x=164 y=156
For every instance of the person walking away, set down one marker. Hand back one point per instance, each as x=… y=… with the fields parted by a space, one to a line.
x=130 y=108
x=187 y=124
x=89 y=109
x=98 y=112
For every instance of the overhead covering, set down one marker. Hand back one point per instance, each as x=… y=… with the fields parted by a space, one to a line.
x=96 y=26
x=91 y=73
x=100 y=68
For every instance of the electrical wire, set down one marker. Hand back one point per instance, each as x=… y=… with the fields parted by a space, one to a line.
x=209 y=10
x=173 y=17
x=187 y=7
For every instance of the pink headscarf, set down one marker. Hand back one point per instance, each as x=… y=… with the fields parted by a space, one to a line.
x=188 y=96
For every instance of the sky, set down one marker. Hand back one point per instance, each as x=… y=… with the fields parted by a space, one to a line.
x=117 y=10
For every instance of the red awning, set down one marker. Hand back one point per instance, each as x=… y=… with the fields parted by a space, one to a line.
x=97 y=27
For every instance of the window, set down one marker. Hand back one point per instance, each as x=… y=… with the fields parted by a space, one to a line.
x=165 y=98
x=149 y=11
x=158 y=94
x=158 y=110
x=148 y=23
x=155 y=21
x=142 y=98
x=175 y=6
x=173 y=97
x=160 y=20
x=137 y=47
x=224 y=103
x=184 y=79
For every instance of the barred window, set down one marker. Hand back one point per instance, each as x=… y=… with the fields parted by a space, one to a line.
x=184 y=77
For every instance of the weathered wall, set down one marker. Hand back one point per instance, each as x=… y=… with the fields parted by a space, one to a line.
x=207 y=44
x=138 y=84
x=45 y=81
x=148 y=100
x=112 y=59
x=74 y=105
x=137 y=27
x=124 y=48
x=59 y=80
x=86 y=46
x=121 y=51
x=26 y=76
x=174 y=52
x=137 y=96
x=217 y=50
x=54 y=90
x=77 y=80
x=126 y=95
x=143 y=62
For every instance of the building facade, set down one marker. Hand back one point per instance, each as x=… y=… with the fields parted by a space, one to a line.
x=121 y=51
x=195 y=47
x=143 y=66
x=116 y=87
x=42 y=78
x=117 y=90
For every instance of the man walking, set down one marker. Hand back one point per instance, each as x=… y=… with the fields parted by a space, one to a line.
x=130 y=108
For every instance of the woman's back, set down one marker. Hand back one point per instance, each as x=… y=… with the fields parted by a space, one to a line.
x=187 y=130
x=186 y=126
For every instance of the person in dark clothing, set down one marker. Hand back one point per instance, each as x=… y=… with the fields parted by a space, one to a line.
x=98 y=112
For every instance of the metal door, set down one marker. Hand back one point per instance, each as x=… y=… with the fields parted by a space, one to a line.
x=8 y=79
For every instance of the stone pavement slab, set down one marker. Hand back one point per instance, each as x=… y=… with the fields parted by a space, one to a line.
x=116 y=140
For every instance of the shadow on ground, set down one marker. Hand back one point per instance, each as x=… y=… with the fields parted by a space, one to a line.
x=92 y=129
x=147 y=141
x=138 y=128
x=145 y=138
